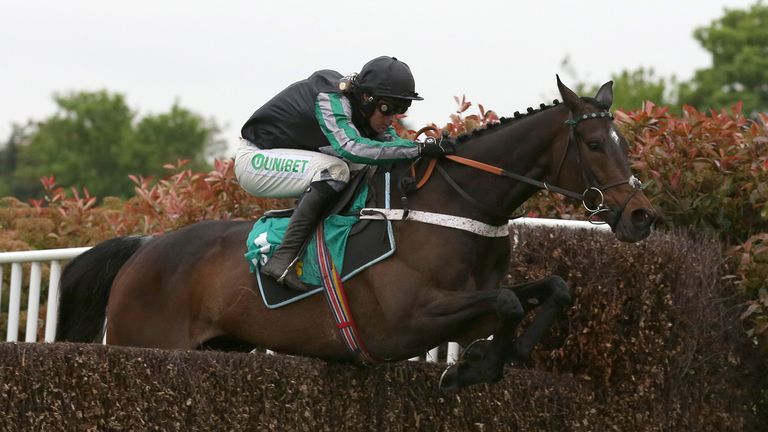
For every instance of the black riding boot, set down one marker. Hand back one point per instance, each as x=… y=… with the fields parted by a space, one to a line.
x=303 y=222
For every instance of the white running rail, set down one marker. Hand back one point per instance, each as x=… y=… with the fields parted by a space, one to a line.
x=51 y=259
x=37 y=259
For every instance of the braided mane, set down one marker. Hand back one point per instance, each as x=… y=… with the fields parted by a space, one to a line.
x=507 y=120
x=529 y=112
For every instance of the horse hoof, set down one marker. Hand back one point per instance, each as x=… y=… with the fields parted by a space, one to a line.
x=520 y=359
x=521 y=362
x=449 y=380
x=475 y=350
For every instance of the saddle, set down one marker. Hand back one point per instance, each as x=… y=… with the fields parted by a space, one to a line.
x=357 y=247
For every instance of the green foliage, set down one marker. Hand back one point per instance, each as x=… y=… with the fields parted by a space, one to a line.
x=80 y=143
x=9 y=155
x=752 y=270
x=169 y=136
x=185 y=197
x=738 y=42
x=460 y=122
x=95 y=140
x=710 y=171
x=631 y=88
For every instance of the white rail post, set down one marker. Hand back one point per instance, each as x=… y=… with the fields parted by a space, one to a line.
x=453 y=353
x=14 y=303
x=33 y=303
x=51 y=314
x=1 y=283
x=432 y=355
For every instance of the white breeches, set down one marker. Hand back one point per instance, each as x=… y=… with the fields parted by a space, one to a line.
x=284 y=173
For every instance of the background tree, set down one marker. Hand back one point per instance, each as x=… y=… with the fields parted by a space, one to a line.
x=8 y=158
x=738 y=43
x=96 y=141
x=630 y=87
x=166 y=137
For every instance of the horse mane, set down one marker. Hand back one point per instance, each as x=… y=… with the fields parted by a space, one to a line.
x=529 y=112
x=503 y=121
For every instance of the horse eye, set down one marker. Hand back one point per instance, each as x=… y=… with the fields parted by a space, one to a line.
x=593 y=145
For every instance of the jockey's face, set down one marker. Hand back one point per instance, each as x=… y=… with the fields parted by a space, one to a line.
x=385 y=112
x=380 y=121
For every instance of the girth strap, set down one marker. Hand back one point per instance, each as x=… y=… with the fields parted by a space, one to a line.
x=338 y=303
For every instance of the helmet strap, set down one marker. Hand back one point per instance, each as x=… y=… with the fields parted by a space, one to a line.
x=362 y=109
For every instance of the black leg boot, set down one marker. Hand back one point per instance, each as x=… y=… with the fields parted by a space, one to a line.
x=303 y=222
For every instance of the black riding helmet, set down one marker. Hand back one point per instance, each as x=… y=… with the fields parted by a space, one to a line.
x=387 y=77
x=382 y=77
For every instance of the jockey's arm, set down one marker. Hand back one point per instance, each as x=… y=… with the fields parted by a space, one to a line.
x=334 y=114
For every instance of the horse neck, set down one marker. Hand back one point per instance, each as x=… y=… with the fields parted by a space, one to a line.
x=531 y=146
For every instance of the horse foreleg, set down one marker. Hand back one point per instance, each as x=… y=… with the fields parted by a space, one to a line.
x=550 y=295
x=484 y=360
x=488 y=366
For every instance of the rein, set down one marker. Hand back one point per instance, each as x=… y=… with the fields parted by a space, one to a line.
x=430 y=165
x=504 y=173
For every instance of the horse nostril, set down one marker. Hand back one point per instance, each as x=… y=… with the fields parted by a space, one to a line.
x=643 y=217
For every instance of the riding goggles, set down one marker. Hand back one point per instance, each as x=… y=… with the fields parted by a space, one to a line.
x=390 y=108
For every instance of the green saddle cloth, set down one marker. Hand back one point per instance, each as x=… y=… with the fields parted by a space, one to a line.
x=268 y=232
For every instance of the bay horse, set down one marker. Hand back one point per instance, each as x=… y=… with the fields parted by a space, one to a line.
x=187 y=288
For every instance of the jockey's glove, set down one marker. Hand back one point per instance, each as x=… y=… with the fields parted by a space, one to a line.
x=432 y=147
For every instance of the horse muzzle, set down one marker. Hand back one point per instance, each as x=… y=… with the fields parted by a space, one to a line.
x=631 y=217
x=635 y=225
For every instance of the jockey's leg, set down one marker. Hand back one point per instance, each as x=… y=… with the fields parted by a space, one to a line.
x=304 y=220
x=285 y=173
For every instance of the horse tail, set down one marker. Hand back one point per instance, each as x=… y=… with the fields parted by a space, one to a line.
x=85 y=285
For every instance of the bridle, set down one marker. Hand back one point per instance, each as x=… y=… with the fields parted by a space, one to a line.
x=587 y=173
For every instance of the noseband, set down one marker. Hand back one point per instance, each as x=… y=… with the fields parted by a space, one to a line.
x=589 y=178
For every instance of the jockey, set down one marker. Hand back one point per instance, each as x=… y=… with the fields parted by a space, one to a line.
x=301 y=142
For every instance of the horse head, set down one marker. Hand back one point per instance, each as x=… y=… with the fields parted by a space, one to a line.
x=596 y=162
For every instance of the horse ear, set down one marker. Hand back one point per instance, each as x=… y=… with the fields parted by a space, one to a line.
x=570 y=98
x=605 y=94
